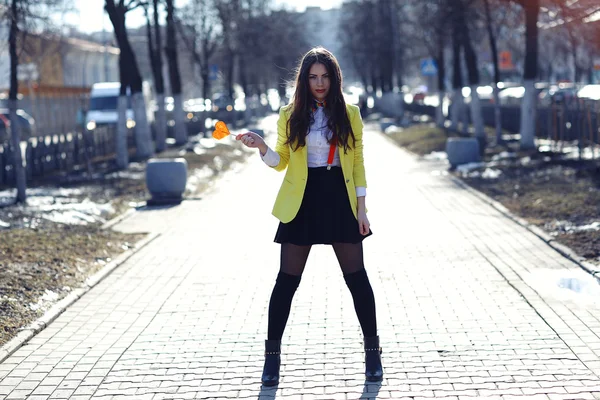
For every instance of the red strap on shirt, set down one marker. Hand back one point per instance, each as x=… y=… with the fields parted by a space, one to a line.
x=331 y=152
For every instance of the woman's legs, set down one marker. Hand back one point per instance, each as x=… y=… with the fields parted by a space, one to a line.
x=293 y=261
x=350 y=257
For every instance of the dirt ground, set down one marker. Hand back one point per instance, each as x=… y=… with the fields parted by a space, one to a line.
x=549 y=187
x=42 y=260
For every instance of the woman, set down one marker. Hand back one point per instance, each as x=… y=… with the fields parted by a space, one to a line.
x=321 y=200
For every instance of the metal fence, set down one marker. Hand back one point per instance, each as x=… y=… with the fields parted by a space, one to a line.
x=51 y=114
x=579 y=122
x=63 y=153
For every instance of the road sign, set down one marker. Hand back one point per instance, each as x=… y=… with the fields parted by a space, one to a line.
x=213 y=72
x=428 y=67
x=505 y=61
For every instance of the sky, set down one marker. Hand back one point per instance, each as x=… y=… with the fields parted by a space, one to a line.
x=87 y=17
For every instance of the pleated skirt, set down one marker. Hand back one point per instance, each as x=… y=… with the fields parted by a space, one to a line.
x=325 y=215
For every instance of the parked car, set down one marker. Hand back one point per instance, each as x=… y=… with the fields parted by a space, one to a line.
x=563 y=93
x=104 y=98
x=223 y=108
x=27 y=124
x=590 y=92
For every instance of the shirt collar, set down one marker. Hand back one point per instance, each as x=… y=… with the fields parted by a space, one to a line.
x=318 y=104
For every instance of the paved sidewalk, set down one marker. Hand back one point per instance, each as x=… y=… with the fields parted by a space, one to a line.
x=468 y=304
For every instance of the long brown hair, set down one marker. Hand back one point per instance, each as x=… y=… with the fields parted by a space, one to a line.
x=335 y=106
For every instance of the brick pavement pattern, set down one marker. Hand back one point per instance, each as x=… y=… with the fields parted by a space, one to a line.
x=468 y=303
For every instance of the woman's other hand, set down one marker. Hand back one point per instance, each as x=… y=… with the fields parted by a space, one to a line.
x=363 y=223
x=252 y=140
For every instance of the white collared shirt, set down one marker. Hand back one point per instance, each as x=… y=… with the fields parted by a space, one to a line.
x=317 y=146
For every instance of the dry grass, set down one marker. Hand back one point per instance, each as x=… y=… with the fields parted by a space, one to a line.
x=40 y=259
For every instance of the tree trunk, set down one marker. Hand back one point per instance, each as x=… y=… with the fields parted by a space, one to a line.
x=121 y=144
x=181 y=135
x=529 y=104
x=494 y=50
x=497 y=113
x=473 y=73
x=230 y=71
x=121 y=147
x=130 y=76
x=155 y=51
x=457 y=83
x=374 y=82
x=441 y=76
x=205 y=83
x=243 y=79
x=143 y=135
x=15 y=130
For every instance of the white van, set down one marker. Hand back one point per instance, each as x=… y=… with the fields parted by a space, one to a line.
x=104 y=98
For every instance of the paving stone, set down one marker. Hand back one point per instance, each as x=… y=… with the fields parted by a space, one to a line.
x=465 y=306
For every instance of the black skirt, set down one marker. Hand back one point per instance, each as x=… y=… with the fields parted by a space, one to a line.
x=325 y=215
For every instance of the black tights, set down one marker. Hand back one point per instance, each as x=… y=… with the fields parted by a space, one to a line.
x=293 y=260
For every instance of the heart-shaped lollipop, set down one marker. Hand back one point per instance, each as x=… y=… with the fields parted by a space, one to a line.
x=221 y=130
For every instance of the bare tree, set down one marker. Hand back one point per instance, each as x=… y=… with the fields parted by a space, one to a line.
x=356 y=36
x=372 y=42
x=237 y=17
x=15 y=132
x=181 y=135
x=529 y=104
x=283 y=44
x=428 y=27
x=457 y=79
x=496 y=76
x=572 y=16
x=199 y=30
x=22 y=16
x=155 y=53
x=130 y=78
x=229 y=14
x=461 y=9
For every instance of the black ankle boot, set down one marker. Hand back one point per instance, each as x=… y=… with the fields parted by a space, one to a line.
x=373 y=368
x=270 y=375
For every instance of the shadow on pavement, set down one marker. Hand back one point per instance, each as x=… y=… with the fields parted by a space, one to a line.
x=267 y=392
x=371 y=390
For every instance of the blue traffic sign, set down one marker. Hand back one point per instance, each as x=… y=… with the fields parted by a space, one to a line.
x=429 y=67
x=213 y=72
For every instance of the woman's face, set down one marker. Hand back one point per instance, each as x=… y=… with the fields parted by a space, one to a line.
x=319 y=81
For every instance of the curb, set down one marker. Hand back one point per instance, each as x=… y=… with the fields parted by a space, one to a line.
x=118 y=218
x=540 y=233
x=38 y=325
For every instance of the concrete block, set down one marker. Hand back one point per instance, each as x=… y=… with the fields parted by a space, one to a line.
x=462 y=151
x=166 y=180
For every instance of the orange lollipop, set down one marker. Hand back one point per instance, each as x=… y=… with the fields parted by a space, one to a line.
x=221 y=130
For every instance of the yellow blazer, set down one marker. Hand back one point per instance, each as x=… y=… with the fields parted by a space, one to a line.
x=292 y=188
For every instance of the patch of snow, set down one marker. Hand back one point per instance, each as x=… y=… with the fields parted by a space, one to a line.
x=567 y=226
x=48 y=297
x=465 y=169
x=505 y=155
x=436 y=155
x=491 y=173
x=392 y=129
